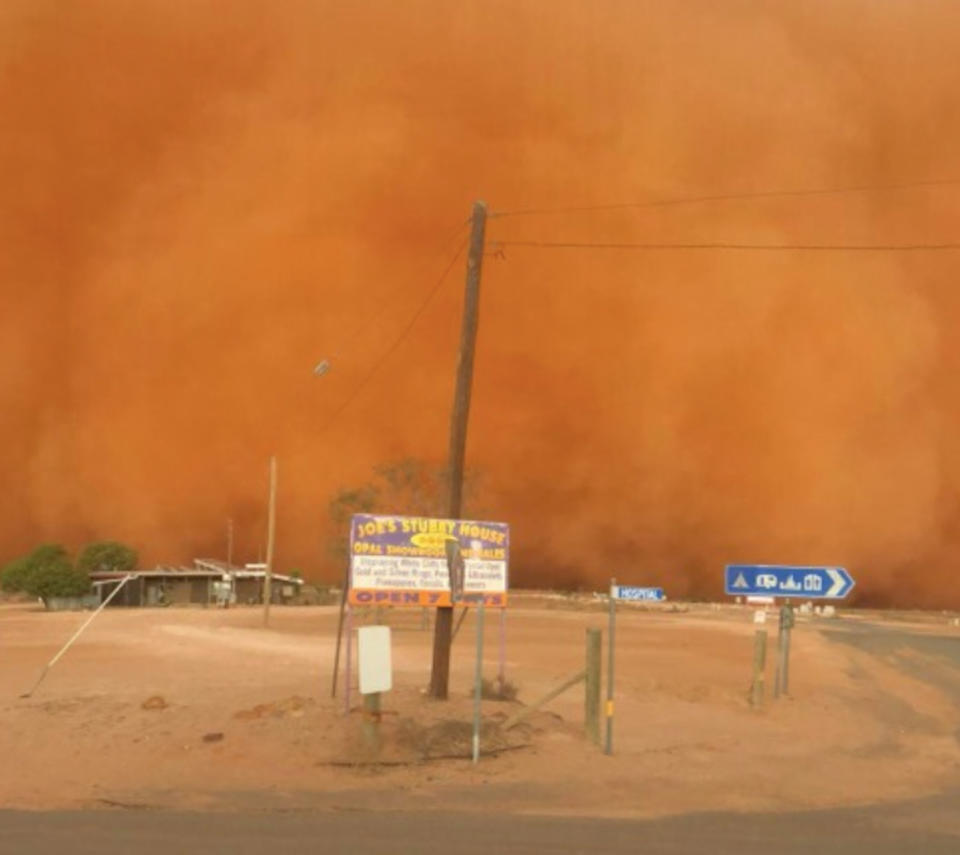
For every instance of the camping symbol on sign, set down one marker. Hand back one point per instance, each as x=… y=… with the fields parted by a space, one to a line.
x=815 y=583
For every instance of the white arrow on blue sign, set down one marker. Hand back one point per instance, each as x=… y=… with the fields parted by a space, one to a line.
x=625 y=592
x=774 y=580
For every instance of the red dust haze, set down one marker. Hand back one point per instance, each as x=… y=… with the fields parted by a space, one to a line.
x=200 y=200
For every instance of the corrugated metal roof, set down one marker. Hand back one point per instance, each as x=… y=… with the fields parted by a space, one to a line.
x=187 y=573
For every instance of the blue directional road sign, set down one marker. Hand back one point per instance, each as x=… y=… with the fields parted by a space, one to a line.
x=772 y=580
x=625 y=592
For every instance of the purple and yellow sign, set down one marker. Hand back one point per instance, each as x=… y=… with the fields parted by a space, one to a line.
x=420 y=561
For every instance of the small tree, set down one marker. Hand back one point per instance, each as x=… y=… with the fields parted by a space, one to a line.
x=345 y=503
x=412 y=486
x=13 y=575
x=408 y=486
x=50 y=573
x=107 y=556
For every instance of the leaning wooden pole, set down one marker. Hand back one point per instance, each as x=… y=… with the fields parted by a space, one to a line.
x=517 y=717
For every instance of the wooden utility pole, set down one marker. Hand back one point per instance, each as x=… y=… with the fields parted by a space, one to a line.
x=230 y=543
x=442 y=635
x=271 y=537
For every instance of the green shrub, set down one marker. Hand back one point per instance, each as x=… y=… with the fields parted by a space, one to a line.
x=45 y=572
x=107 y=556
x=13 y=575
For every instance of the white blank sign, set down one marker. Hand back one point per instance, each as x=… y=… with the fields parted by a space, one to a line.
x=373 y=651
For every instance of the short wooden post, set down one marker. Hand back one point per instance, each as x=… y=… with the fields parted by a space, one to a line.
x=592 y=685
x=371 y=721
x=759 y=667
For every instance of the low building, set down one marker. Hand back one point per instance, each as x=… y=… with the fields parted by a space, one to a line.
x=208 y=583
x=248 y=582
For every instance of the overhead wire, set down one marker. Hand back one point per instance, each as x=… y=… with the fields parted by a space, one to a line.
x=762 y=247
x=404 y=332
x=726 y=197
x=337 y=352
x=651 y=247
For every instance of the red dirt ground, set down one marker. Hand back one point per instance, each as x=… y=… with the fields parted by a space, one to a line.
x=856 y=729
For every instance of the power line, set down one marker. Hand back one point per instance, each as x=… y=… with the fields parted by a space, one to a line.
x=725 y=197
x=365 y=380
x=769 y=247
x=369 y=322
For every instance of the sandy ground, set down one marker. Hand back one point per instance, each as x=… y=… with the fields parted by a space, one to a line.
x=246 y=719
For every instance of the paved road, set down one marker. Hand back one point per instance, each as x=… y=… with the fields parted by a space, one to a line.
x=938 y=661
x=930 y=827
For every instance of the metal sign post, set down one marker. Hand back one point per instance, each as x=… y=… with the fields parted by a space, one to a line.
x=502 y=668
x=478 y=683
x=781 y=682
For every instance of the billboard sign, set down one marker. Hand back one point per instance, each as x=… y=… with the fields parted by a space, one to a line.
x=412 y=561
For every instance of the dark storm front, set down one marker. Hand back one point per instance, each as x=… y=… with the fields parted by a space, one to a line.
x=402 y=560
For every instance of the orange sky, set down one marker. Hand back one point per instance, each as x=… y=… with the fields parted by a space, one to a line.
x=201 y=199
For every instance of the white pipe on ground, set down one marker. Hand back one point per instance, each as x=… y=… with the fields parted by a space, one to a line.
x=76 y=635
